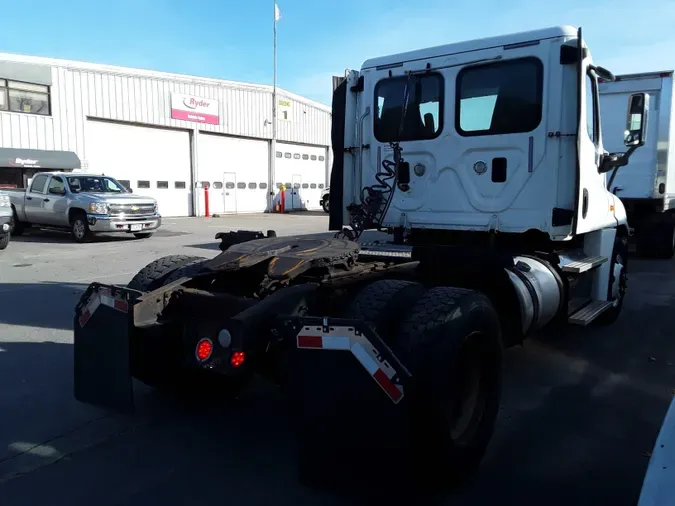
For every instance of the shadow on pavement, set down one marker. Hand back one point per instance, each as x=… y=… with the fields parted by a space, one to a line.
x=48 y=305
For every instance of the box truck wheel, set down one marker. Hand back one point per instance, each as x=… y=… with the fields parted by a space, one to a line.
x=451 y=343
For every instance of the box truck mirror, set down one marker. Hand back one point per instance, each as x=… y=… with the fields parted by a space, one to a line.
x=636 y=122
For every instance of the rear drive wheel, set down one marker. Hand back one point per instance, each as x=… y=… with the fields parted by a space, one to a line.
x=451 y=343
x=382 y=305
x=150 y=277
x=143 y=235
x=4 y=241
x=79 y=228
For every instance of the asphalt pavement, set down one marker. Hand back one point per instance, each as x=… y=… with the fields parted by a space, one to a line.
x=581 y=409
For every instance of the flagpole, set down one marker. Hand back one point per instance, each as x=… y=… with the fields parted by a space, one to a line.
x=274 y=110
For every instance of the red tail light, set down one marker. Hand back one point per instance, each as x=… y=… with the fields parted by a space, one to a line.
x=237 y=358
x=204 y=349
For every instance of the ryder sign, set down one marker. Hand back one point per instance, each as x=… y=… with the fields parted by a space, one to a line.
x=196 y=109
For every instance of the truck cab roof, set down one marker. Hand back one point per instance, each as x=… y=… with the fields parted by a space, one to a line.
x=472 y=45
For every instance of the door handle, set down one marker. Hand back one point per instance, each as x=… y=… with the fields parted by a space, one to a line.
x=46 y=200
x=29 y=198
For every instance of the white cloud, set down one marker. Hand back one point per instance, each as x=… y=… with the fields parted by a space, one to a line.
x=623 y=36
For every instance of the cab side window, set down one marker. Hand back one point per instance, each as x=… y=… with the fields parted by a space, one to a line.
x=39 y=183
x=57 y=186
x=591 y=109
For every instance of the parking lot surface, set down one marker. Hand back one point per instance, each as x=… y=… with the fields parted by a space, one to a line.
x=581 y=409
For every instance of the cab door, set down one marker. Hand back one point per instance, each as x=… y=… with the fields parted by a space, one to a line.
x=592 y=204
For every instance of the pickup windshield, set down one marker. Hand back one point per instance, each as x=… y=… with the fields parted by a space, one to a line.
x=93 y=184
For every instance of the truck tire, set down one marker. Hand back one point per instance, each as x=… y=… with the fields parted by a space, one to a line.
x=326 y=205
x=151 y=276
x=79 y=228
x=187 y=270
x=618 y=273
x=382 y=305
x=16 y=227
x=451 y=343
x=4 y=241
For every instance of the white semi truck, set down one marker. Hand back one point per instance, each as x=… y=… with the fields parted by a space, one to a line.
x=646 y=185
x=484 y=161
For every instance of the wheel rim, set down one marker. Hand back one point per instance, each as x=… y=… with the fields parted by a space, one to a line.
x=78 y=229
x=473 y=380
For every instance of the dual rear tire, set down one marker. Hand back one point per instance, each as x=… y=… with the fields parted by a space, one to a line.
x=450 y=341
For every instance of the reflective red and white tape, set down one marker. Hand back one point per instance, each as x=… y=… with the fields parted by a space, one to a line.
x=346 y=339
x=102 y=296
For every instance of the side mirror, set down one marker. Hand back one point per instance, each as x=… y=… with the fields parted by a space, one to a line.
x=636 y=121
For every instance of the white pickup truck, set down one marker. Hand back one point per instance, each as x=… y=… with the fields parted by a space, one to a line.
x=85 y=204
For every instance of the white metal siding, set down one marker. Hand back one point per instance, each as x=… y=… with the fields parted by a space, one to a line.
x=246 y=161
x=137 y=153
x=82 y=90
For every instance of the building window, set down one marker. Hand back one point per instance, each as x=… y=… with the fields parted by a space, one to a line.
x=163 y=185
x=312 y=186
x=287 y=155
x=313 y=158
x=262 y=186
x=296 y=186
x=278 y=185
x=321 y=158
x=252 y=186
x=16 y=96
x=143 y=184
x=409 y=108
x=305 y=186
x=217 y=185
x=499 y=98
x=179 y=185
x=320 y=186
x=296 y=156
x=125 y=182
x=279 y=154
x=229 y=186
x=241 y=186
x=305 y=157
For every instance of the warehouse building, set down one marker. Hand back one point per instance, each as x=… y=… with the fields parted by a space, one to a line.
x=163 y=135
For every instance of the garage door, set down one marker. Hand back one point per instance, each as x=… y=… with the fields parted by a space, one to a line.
x=237 y=171
x=303 y=170
x=154 y=162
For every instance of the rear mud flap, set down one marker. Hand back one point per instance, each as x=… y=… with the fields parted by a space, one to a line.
x=102 y=326
x=349 y=402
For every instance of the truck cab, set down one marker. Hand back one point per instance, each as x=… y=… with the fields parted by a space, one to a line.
x=498 y=135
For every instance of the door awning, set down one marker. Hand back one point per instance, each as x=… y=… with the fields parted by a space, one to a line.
x=38 y=159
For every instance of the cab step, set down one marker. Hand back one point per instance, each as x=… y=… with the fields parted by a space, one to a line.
x=583 y=265
x=588 y=313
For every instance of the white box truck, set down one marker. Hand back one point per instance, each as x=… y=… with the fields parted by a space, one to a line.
x=646 y=185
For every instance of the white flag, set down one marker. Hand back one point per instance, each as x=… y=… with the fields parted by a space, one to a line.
x=277 y=13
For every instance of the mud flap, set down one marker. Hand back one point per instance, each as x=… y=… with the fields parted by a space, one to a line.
x=349 y=402
x=102 y=329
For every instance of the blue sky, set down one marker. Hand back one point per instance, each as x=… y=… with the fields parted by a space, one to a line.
x=316 y=39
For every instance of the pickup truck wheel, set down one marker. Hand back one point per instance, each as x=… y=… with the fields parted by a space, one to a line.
x=79 y=228
x=4 y=241
x=143 y=235
x=326 y=204
x=16 y=228
x=151 y=276
x=451 y=343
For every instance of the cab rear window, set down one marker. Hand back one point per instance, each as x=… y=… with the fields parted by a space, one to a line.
x=409 y=108
x=499 y=98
